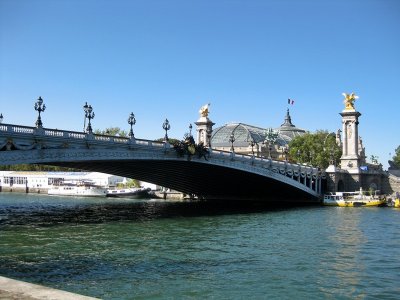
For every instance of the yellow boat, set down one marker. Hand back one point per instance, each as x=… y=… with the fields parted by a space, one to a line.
x=394 y=202
x=397 y=203
x=352 y=199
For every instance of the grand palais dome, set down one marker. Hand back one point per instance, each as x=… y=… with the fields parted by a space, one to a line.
x=245 y=134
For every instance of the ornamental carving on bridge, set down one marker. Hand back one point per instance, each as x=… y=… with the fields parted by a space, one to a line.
x=188 y=147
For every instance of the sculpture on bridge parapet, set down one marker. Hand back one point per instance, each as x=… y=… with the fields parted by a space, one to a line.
x=205 y=110
x=204 y=126
x=349 y=100
x=189 y=147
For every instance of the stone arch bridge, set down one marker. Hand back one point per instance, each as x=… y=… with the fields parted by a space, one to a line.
x=218 y=175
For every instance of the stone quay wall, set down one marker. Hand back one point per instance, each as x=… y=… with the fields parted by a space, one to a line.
x=344 y=181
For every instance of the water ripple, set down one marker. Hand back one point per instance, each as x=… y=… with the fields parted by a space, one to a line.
x=160 y=250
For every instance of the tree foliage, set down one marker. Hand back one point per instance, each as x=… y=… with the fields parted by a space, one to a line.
x=396 y=157
x=36 y=168
x=130 y=183
x=172 y=141
x=114 y=131
x=315 y=149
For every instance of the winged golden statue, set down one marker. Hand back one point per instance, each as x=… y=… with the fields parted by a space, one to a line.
x=349 y=100
x=204 y=110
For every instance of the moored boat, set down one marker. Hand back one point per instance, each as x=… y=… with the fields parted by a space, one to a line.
x=80 y=188
x=129 y=193
x=394 y=202
x=352 y=199
x=397 y=203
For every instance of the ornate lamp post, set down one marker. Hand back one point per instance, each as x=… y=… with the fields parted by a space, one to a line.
x=39 y=107
x=285 y=152
x=311 y=156
x=252 y=146
x=331 y=151
x=85 y=109
x=166 y=127
x=232 y=140
x=332 y=157
x=1 y=118
x=270 y=139
x=298 y=155
x=131 y=121
x=89 y=114
x=190 y=129
x=209 y=132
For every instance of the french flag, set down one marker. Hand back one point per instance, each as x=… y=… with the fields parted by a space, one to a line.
x=290 y=101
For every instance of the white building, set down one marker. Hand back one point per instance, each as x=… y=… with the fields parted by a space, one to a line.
x=45 y=180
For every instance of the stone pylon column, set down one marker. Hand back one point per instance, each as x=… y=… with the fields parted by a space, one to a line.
x=350 y=159
x=204 y=127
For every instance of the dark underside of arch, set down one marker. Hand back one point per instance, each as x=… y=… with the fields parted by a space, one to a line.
x=207 y=181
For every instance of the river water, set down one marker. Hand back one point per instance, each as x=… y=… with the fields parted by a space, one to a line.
x=130 y=249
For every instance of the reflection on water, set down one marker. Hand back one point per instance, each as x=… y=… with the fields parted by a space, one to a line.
x=126 y=249
x=52 y=210
x=345 y=263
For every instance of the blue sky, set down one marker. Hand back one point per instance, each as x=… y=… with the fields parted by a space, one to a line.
x=165 y=59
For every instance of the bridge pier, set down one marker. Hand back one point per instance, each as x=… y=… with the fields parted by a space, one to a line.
x=204 y=128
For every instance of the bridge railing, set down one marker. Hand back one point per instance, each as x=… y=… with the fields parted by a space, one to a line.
x=262 y=160
x=76 y=135
x=16 y=129
x=308 y=177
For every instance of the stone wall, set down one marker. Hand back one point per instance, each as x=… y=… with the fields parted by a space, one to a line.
x=20 y=189
x=392 y=184
x=341 y=180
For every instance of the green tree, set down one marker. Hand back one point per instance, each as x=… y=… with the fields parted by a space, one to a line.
x=374 y=159
x=315 y=149
x=129 y=184
x=112 y=131
x=172 y=141
x=35 y=167
x=396 y=157
x=132 y=183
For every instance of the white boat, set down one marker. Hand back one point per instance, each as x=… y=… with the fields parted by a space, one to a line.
x=352 y=199
x=130 y=193
x=80 y=188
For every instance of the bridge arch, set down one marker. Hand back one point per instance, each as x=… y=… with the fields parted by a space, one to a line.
x=219 y=175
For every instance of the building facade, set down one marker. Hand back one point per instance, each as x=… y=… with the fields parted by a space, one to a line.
x=42 y=181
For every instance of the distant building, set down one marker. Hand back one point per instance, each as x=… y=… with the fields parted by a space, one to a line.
x=248 y=139
x=37 y=181
x=44 y=180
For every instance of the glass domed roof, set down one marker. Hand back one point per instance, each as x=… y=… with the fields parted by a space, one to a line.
x=244 y=134
x=287 y=130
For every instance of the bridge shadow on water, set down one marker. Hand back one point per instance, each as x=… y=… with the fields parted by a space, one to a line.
x=136 y=211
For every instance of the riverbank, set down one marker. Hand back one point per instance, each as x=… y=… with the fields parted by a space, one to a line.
x=8 y=189
x=172 y=195
x=19 y=290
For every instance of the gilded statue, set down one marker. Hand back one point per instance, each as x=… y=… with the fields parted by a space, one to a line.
x=204 y=110
x=349 y=101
